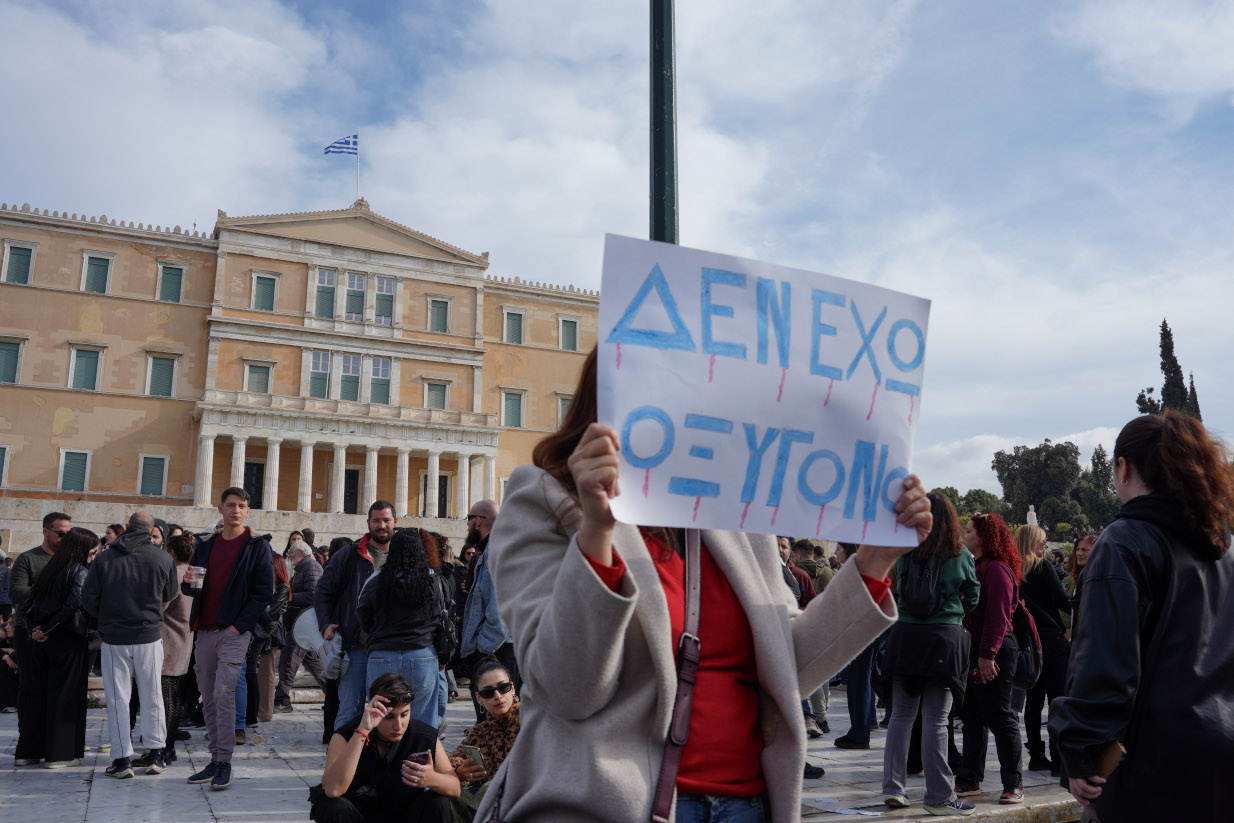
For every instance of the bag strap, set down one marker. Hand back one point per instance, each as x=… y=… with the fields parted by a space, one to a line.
x=688 y=648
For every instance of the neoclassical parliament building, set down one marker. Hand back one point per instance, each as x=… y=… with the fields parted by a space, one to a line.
x=320 y=360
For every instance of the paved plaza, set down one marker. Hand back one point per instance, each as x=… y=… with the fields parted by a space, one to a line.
x=272 y=779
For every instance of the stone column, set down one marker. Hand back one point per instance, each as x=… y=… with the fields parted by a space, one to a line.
x=202 y=492
x=270 y=493
x=370 y=476
x=430 y=483
x=304 y=496
x=400 y=483
x=237 y=460
x=336 y=480
x=490 y=477
x=462 y=492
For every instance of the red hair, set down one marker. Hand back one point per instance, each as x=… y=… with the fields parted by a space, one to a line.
x=996 y=541
x=280 y=571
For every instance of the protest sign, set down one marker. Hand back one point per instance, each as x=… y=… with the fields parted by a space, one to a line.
x=755 y=397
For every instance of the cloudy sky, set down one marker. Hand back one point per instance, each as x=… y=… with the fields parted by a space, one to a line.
x=1057 y=178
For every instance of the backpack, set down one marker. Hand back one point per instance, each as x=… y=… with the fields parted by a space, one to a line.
x=921 y=591
x=1030 y=661
x=445 y=636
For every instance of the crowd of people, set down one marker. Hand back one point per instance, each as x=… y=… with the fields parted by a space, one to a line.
x=646 y=671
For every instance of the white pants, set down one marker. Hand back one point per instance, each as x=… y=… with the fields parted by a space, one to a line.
x=121 y=665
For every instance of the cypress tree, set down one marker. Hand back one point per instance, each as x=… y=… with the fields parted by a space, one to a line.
x=1173 y=391
x=1193 y=402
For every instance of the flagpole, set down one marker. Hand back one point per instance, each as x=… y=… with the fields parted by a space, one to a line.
x=357 y=165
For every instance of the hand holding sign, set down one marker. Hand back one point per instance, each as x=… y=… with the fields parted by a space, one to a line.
x=595 y=468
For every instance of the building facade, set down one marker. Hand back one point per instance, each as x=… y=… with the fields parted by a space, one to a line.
x=320 y=360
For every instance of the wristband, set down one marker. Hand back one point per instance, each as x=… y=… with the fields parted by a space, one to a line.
x=363 y=735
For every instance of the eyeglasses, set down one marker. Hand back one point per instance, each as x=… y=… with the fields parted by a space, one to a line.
x=58 y=534
x=476 y=516
x=400 y=699
x=488 y=694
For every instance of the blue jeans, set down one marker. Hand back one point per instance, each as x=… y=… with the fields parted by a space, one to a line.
x=352 y=688
x=710 y=808
x=242 y=699
x=419 y=666
x=443 y=692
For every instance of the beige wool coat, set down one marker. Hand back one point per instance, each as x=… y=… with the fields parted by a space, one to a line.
x=599 y=677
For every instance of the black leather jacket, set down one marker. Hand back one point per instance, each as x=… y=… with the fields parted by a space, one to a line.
x=1152 y=665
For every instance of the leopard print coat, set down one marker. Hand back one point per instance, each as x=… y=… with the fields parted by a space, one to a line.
x=494 y=738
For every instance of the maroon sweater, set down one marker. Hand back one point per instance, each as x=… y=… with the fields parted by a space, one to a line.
x=990 y=622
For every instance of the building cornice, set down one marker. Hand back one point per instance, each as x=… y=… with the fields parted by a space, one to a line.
x=102 y=225
x=514 y=286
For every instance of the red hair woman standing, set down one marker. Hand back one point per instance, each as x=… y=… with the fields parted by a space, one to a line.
x=987 y=702
x=1152 y=662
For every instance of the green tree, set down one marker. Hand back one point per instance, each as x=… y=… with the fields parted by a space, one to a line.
x=1031 y=475
x=1174 y=393
x=1095 y=490
x=1056 y=510
x=980 y=501
x=1193 y=402
x=951 y=493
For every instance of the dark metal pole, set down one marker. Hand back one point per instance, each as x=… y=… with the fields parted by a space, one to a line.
x=663 y=124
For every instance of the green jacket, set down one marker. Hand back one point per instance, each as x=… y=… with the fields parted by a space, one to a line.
x=959 y=588
x=818 y=570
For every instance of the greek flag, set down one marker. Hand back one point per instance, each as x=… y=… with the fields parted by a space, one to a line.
x=345 y=145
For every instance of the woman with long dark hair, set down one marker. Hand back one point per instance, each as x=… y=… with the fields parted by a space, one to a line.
x=1152 y=666
x=927 y=657
x=596 y=609
x=398 y=610
x=1046 y=601
x=494 y=737
x=60 y=658
x=987 y=700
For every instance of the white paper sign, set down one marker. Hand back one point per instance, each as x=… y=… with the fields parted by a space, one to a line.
x=754 y=397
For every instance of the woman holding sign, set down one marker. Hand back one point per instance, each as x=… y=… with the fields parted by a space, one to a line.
x=598 y=609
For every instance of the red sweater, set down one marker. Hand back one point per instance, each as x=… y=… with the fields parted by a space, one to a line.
x=223 y=555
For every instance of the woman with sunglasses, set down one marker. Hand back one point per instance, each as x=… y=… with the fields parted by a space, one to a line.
x=596 y=611
x=385 y=766
x=494 y=737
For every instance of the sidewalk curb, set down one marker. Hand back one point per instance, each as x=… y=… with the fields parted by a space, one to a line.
x=1060 y=811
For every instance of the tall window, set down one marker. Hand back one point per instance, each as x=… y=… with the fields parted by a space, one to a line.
x=263 y=292
x=74 y=470
x=384 y=315
x=325 y=293
x=18 y=262
x=162 y=376
x=98 y=271
x=569 y=335
x=171 y=283
x=319 y=376
x=379 y=387
x=257 y=380
x=439 y=316
x=435 y=395
x=563 y=408
x=349 y=386
x=512 y=409
x=10 y=355
x=514 y=327
x=355 y=298
x=85 y=371
x=4 y=464
x=152 y=475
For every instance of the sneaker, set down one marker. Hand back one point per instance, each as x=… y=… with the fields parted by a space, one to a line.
x=182 y=735
x=813 y=772
x=152 y=761
x=120 y=768
x=953 y=806
x=812 y=728
x=282 y=706
x=1039 y=763
x=896 y=801
x=825 y=727
x=205 y=775
x=846 y=742
x=27 y=761
x=967 y=789
x=884 y=723
x=222 y=778
x=1011 y=797
x=240 y=740
x=193 y=721
x=61 y=764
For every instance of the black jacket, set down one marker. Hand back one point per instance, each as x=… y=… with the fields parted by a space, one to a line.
x=127 y=587
x=1045 y=597
x=60 y=608
x=1152 y=665
x=303 y=590
x=338 y=591
x=269 y=632
x=249 y=588
x=398 y=624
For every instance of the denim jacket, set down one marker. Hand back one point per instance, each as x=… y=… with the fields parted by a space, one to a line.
x=483 y=630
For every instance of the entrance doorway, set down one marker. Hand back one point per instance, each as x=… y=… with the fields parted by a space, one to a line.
x=255 y=483
x=351 y=491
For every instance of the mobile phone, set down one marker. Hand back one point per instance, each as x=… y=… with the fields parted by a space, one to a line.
x=475 y=755
x=422 y=758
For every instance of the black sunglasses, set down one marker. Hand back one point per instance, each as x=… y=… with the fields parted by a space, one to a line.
x=480 y=516
x=400 y=699
x=488 y=694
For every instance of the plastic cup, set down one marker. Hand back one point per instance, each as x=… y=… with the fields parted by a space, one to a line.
x=199 y=577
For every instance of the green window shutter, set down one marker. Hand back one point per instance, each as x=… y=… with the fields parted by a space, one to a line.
x=439 y=316
x=74 y=479
x=349 y=387
x=379 y=391
x=96 y=275
x=259 y=379
x=385 y=305
x=436 y=396
x=319 y=384
x=86 y=370
x=263 y=299
x=325 y=301
x=173 y=278
x=514 y=328
x=19 y=266
x=563 y=404
x=162 y=370
x=152 y=475
x=8 y=362
x=355 y=302
x=514 y=410
x=4 y=455
x=569 y=335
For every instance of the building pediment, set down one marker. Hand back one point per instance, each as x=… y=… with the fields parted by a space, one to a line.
x=355 y=227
